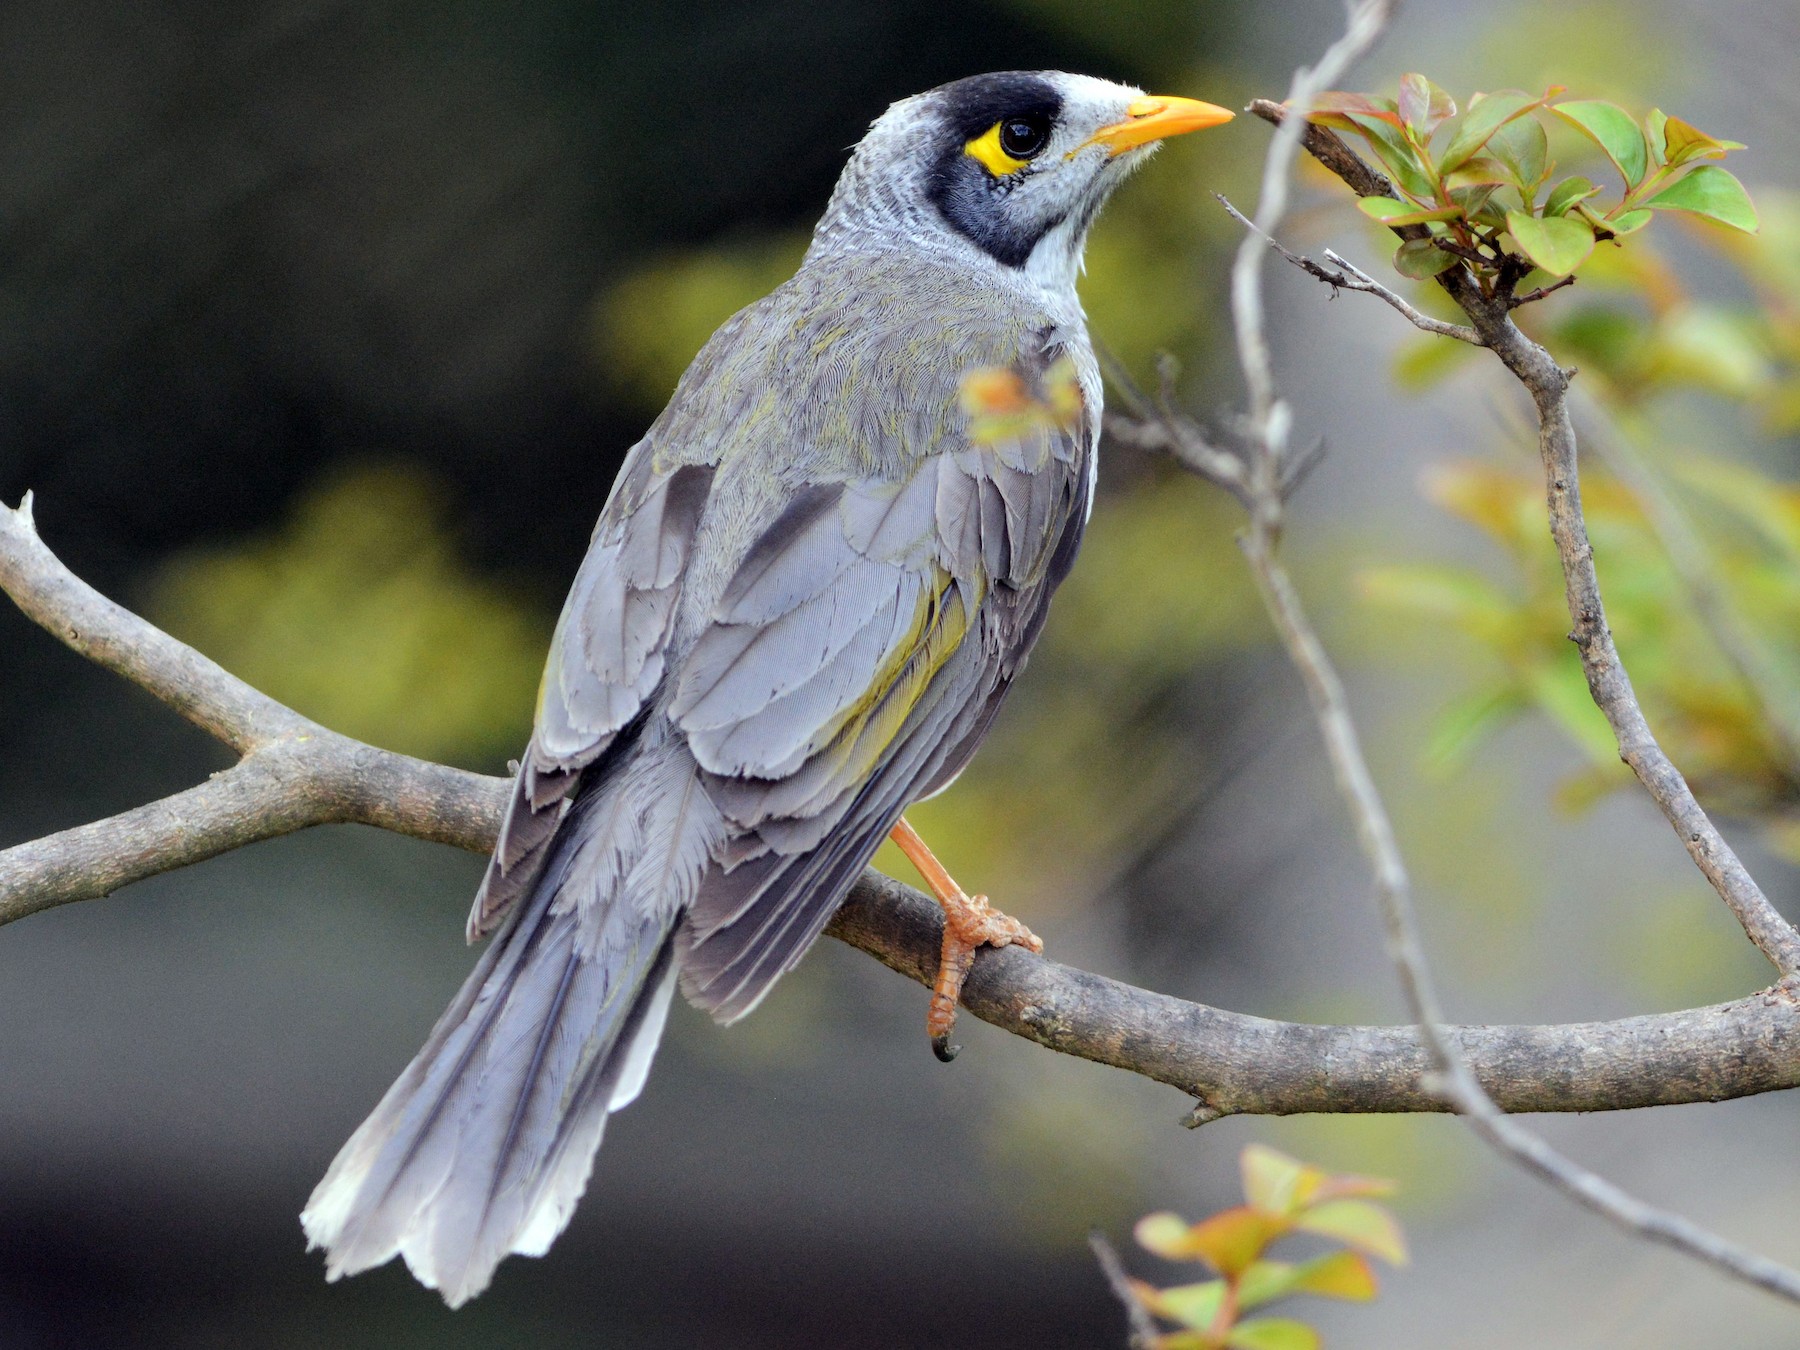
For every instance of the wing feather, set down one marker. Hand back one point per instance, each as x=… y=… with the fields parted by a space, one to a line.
x=606 y=659
x=814 y=743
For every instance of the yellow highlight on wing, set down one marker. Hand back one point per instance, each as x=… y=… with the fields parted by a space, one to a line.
x=986 y=149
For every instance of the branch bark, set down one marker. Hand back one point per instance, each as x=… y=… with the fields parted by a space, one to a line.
x=295 y=774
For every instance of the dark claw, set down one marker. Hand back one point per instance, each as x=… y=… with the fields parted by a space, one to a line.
x=941 y=1047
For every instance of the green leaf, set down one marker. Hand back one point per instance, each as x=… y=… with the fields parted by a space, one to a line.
x=1560 y=691
x=1713 y=347
x=1383 y=207
x=1164 y=1234
x=1343 y=1275
x=1655 y=124
x=1628 y=223
x=1343 y=104
x=1427 y=361
x=1463 y=725
x=1711 y=192
x=1339 y=1275
x=1423 y=106
x=1558 y=244
x=1474 y=197
x=1523 y=151
x=1274 y=1182
x=1567 y=193
x=1273 y=1333
x=1265 y=1282
x=1421 y=259
x=1187 y=1340
x=1403 y=163
x=1683 y=142
x=1233 y=1238
x=1611 y=128
x=1192 y=1305
x=1483 y=169
x=1360 y=1224
x=1439 y=594
x=1391 y=212
x=1487 y=114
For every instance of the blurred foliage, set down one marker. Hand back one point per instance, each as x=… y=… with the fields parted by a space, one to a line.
x=358 y=613
x=1485 y=193
x=1586 y=53
x=1667 y=376
x=1065 y=1148
x=1283 y=1197
x=649 y=323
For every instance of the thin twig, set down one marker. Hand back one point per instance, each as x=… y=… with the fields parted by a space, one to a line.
x=1349 y=277
x=1532 y=297
x=1143 y=1332
x=1360 y=280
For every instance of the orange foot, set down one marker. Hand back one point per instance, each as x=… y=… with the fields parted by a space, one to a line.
x=969 y=922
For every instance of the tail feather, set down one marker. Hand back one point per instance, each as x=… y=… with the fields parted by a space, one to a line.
x=486 y=1141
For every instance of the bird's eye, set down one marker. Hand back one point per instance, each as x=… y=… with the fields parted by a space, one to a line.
x=1023 y=137
x=1007 y=147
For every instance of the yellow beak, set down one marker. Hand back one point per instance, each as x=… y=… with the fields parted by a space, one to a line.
x=1154 y=118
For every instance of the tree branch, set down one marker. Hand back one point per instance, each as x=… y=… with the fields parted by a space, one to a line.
x=1231 y=1063
x=1608 y=683
x=1349 y=277
x=1452 y=1077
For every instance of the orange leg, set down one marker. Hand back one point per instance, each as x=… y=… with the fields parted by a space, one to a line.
x=969 y=922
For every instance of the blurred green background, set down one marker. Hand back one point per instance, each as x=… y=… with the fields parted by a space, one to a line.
x=323 y=329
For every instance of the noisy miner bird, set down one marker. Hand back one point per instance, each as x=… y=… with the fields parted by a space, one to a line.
x=805 y=600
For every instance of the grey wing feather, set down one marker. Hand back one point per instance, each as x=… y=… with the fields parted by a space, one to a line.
x=606 y=659
x=949 y=572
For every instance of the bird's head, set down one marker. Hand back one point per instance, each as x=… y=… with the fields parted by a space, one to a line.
x=1015 y=165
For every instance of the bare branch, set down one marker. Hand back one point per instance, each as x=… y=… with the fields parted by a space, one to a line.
x=1607 y=680
x=1349 y=277
x=1367 y=19
x=1360 y=280
x=1143 y=1329
x=1231 y=1063
x=111 y=636
x=1532 y=297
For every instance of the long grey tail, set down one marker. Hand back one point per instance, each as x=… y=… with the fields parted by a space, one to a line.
x=485 y=1143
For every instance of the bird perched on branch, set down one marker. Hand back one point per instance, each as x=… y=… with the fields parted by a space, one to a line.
x=804 y=602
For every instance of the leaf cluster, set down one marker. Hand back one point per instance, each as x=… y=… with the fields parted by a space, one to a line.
x=1482 y=186
x=1647 y=343
x=1283 y=1197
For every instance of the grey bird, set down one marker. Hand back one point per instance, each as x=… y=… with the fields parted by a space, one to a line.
x=815 y=579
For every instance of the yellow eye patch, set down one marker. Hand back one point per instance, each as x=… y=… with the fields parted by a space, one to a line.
x=986 y=150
